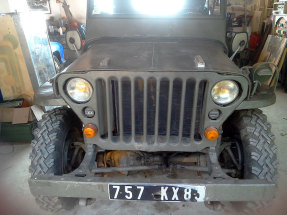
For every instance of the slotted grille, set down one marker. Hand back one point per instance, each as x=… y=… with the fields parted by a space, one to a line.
x=151 y=110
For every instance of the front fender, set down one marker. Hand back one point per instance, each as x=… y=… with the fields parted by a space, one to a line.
x=258 y=101
x=45 y=96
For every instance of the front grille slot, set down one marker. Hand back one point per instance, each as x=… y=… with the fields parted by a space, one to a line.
x=114 y=86
x=188 y=108
x=163 y=107
x=152 y=110
x=126 y=106
x=139 y=108
x=151 y=105
x=102 y=107
x=175 y=110
x=198 y=129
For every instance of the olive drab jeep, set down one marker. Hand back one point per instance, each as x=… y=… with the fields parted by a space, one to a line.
x=154 y=110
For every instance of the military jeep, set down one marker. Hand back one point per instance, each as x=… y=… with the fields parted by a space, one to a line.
x=155 y=110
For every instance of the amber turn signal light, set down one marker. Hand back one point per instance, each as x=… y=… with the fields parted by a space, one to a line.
x=90 y=131
x=211 y=133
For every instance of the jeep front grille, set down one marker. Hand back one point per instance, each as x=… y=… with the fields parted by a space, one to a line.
x=150 y=110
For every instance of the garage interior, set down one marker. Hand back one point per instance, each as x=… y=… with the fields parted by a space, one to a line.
x=40 y=39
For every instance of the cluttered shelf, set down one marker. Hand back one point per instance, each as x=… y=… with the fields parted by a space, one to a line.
x=266 y=25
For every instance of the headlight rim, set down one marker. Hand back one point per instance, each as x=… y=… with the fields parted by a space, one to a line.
x=70 y=97
x=231 y=102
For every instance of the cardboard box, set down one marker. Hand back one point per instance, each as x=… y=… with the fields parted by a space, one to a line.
x=16 y=115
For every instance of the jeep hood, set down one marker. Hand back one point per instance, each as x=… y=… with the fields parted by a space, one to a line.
x=153 y=55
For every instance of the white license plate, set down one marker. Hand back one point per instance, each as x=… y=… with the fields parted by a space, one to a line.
x=169 y=193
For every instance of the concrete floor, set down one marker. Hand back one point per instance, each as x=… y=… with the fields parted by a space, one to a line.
x=15 y=197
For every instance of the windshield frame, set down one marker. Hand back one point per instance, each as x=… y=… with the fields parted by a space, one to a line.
x=90 y=7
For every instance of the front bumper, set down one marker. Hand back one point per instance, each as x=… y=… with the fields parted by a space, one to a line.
x=97 y=187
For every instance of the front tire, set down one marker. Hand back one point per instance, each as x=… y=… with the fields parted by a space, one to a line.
x=51 y=147
x=253 y=134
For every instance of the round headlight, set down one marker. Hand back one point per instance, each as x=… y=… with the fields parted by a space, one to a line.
x=79 y=90
x=225 y=92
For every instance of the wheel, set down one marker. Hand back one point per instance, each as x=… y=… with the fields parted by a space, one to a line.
x=58 y=66
x=55 y=152
x=248 y=148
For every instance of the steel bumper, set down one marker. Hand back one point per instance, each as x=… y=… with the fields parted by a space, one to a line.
x=97 y=187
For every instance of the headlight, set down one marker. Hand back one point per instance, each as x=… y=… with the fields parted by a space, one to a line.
x=79 y=89
x=225 y=92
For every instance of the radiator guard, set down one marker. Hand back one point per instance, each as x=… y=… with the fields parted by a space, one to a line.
x=104 y=117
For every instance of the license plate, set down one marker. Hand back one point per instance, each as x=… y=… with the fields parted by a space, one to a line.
x=167 y=193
